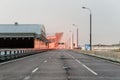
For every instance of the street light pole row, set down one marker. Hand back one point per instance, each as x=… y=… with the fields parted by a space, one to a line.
x=90 y=26
x=90 y=30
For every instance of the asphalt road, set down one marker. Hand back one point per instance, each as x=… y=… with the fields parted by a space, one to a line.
x=59 y=65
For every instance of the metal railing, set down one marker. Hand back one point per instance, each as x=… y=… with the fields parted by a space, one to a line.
x=7 y=54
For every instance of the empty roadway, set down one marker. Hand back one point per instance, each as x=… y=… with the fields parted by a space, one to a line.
x=59 y=65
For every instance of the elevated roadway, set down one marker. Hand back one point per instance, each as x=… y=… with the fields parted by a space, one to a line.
x=59 y=65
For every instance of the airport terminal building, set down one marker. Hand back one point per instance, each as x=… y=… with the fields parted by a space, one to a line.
x=23 y=36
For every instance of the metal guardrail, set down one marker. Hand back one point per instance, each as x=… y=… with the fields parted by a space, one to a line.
x=7 y=54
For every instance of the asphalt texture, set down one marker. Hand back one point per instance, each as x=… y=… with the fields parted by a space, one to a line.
x=59 y=65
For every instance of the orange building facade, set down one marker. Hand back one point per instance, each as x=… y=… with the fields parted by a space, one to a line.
x=54 y=40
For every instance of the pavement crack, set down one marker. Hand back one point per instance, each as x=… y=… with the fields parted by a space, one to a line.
x=66 y=67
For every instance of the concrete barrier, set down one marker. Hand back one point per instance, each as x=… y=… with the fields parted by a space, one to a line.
x=109 y=55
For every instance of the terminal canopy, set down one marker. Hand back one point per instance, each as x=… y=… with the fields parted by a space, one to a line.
x=23 y=30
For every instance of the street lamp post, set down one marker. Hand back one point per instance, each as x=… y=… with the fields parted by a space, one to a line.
x=71 y=39
x=77 y=36
x=90 y=26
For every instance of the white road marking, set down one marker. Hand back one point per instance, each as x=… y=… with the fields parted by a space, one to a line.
x=71 y=56
x=35 y=70
x=84 y=65
x=14 y=60
x=45 y=61
x=27 y=78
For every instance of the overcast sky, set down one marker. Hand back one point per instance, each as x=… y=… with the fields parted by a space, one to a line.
x=59 y=15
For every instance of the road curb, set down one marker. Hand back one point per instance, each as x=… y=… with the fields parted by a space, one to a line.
x=98 y=56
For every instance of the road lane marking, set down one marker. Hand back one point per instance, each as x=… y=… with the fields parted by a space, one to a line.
x=27 y=78
x=35 y=70
x=71 y=56
x=14 y=60
x=45 y=61
x=18 y=59
x=84 y=65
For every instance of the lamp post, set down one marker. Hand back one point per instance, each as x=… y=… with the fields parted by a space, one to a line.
x=90 y=26
x=71 y=39
x=76 y=36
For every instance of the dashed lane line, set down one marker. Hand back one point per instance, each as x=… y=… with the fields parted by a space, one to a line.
x=35 y=70
x=45 y=61
x=27 y=78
